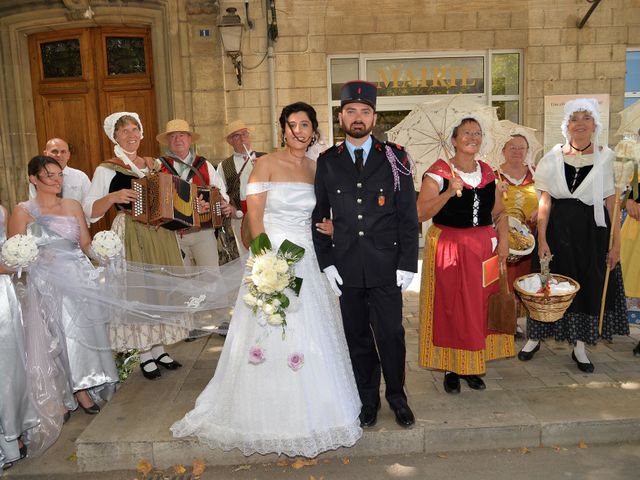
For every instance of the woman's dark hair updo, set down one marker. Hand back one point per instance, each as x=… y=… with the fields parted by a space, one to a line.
x=39 y=163
x=295 y=108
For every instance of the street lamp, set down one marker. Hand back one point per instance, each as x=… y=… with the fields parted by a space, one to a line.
x=231 y=28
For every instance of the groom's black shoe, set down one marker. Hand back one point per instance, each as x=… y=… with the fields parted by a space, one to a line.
x=369 y=415
x=404 y=416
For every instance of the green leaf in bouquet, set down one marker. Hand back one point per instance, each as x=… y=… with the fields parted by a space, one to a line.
x=296 y=285
x=292 y=252
x=260 y=244
x=283 y=299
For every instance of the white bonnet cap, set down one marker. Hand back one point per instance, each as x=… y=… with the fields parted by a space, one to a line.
x=581 y=105
x=111 y=120
x=487 y=141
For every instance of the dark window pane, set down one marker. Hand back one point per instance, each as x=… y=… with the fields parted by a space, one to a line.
x=632 y=78
x=505 y=73
x=508 y=110
x=61 y=59
x=125 y=55
x=342 y=71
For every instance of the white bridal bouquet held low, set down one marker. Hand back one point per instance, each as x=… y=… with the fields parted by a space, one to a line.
x=19 y=252
x=271 y=274
x=106 y=245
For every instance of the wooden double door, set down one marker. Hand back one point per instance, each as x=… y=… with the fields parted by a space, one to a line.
x=81 y=76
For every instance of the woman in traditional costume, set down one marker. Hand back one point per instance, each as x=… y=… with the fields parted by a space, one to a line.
x=575 y=182
x=454 y=297
x=111 y=185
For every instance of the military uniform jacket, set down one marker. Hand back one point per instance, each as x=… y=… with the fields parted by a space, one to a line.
x=375 y=227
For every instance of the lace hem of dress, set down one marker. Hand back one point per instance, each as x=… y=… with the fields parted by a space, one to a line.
x=250 y=443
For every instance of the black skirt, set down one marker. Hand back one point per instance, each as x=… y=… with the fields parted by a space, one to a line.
x=579 y=248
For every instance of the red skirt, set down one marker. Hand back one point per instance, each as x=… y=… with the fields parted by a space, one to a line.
x=461 y=303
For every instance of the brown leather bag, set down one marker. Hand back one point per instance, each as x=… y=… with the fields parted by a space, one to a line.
x=502 y=307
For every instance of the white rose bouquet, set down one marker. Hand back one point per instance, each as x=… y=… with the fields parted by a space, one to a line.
x=106 y=245
x=271 y=274
x=19 y=251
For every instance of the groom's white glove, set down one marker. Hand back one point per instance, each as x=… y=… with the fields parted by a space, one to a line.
x=403 y=279
x=334 y=279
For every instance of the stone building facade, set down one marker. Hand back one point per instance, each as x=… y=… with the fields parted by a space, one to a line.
x=195 y=80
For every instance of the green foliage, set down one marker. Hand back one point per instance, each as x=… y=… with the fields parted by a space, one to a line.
x=126 y=362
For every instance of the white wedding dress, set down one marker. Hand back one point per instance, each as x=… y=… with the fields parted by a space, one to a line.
x=269 y=407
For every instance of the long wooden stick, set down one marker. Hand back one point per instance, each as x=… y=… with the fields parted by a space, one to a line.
x=453 y=173
x=500 y=175
x=614 y=218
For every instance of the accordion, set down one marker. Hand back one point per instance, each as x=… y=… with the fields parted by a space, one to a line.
x=165 y=200
x=212 y=218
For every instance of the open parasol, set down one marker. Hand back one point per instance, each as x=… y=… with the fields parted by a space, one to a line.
x=629 y=120
x=426 y=131
x=502 y=133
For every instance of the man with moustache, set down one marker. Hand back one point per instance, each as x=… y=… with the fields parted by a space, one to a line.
x=366 y=186
x=75 y=183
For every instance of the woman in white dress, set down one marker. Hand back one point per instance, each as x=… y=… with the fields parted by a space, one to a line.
x=271 y=404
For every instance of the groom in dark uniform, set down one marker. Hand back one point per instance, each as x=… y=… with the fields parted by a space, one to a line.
x=366 y=187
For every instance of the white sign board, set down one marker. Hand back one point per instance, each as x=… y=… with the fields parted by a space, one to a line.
x=554 y=114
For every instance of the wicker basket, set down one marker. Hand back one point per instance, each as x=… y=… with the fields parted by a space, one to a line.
x=549 y=308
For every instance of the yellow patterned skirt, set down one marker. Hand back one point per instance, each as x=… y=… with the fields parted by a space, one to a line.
x=463 y=362
x=630 y=256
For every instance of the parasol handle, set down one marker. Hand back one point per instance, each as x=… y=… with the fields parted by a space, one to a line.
x=616 y=209
x=453 y=173
x=500 y=174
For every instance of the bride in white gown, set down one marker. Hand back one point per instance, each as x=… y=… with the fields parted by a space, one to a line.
x=271 y=406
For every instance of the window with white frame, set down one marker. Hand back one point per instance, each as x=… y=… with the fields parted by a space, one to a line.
x=494 y=77
x=632 y=77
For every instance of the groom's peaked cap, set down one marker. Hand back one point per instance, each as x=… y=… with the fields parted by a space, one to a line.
x=358 y=91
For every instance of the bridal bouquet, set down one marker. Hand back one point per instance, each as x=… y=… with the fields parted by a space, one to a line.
x=271 y=274
x=19 y=251
x=107 y=245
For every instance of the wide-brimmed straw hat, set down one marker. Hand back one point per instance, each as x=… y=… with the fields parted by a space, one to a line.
x=234 y=127
x=177 y=125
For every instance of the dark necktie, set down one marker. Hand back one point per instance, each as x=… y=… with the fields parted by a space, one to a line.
x=359 y=154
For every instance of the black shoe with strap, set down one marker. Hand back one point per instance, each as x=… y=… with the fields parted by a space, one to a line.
x=526 y=356
x=584 y=367
x=153 y=374
x=451 y=382
x=169 y=365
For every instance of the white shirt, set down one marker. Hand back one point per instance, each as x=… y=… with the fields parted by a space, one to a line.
x=238 y=162
x=75 y=185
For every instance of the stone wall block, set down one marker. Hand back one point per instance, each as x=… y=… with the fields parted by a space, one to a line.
x=344 y=43
x=519 y=18
x=560 y=87
x=602 y=85
x=317 y=43
x=378 y=43
x=479 y=39
x=531 y=54
x=559 y=18
x=285 y=97
x=576 y=70
x=536 y=17
x=411 y=41
x=445 y=40
x=392 y=24
x=562 y=53
x=594 y=53
x=613 y=35
x=293 y=26
x=610 y=69
x=544 y=71
x=461 y=21
x=511 y=38
x=544 y=36
x=310 y=78
x=534 y=89
x=493 y=20
x=426 y=23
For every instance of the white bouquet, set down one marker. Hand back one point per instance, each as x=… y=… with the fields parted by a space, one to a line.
x=271 y=273
x=107 y=245
x=19 y=251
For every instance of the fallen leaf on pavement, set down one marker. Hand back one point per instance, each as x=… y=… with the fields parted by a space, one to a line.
x=282 y=463
x=524 y=450
x=198 y=467
x=583 y=444
x=346 y=461
x=242 y=467
x=301 y=462
x=144 y=467
x=73 y=457
x=556 y=448
x=179 y=469
x=442 y=455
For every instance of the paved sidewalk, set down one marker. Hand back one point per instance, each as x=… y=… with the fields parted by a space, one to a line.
x=546 y=401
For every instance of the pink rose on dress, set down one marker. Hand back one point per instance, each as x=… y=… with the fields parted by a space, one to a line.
x=256 y=355
x=295 y=361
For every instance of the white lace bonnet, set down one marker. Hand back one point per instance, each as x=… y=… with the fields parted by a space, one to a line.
x=110 y=124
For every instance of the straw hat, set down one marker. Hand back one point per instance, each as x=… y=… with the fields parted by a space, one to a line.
x=177 y=125
x=234 y=127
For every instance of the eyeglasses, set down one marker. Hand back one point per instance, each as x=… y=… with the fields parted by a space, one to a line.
x=236 y=136
x=517 y=149
x=471 y=134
